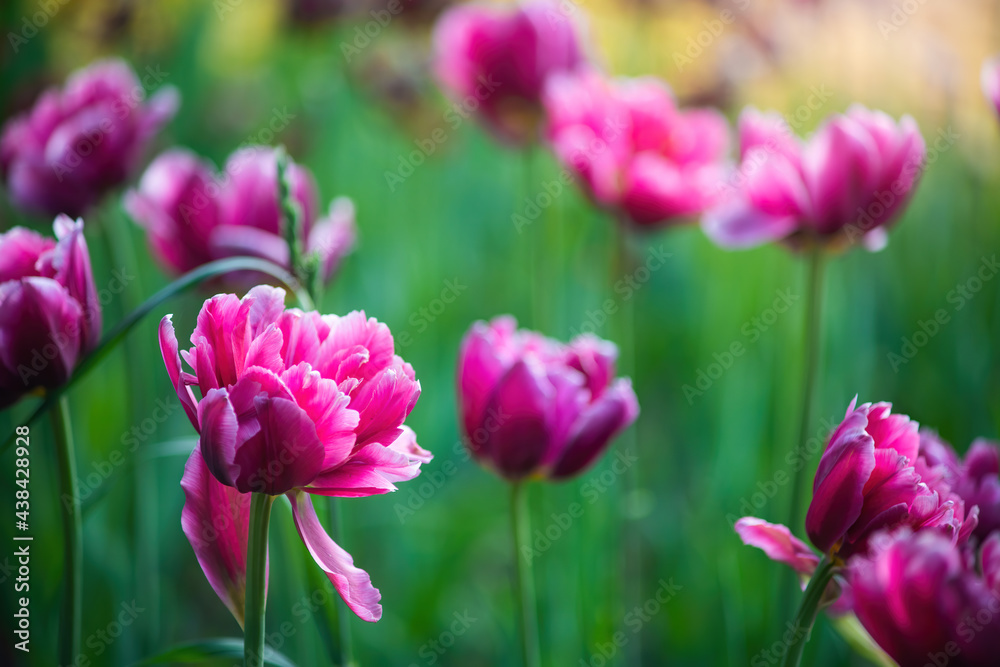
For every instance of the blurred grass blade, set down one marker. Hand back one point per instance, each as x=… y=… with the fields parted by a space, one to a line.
x=212 y=649
x=182 y=284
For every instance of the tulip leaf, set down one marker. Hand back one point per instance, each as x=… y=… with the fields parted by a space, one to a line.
x=221 y=648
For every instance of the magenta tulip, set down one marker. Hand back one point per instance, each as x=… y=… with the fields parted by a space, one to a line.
x=193 y=215
x=78 y=143
x=867 y=481
x=636 y=153
x=978 y=484
x=848 y=183
x=495 y=60
x=990 y=79
x=292 y=403
x=534 y=407
x=924 y=601
x=50 y=315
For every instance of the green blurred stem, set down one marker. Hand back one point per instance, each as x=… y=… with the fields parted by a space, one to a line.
x=182 y=284
x=69 y=647
x=256 y=592
x=806 y=616
x=339 y=616
x=814 y=297
x=525 y=585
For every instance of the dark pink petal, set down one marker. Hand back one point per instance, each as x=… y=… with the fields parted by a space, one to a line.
x=479 y=369
x=778 y=543
x=888 y=493
x=216 y=521
x=614 y=411
x=353 y=584
x=369 y=471
x=21 y=250
x=891 y=431
x=838 y=496
x=172 y=360
x=284 y=455
x=383 y=402
x=327 y=407
x=70 y=266
x=218 y=426
x=595 y=358
x=216 y=325
x=523 y=431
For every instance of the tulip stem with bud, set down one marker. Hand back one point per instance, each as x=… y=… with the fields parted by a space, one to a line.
x=256 y=592
x=304 y=267
x=814 y=297
x=808 y=609
x=69 y=647
x=525 y=585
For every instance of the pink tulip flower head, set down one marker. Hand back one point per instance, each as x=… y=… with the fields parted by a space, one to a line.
x=534 y=407
x=925 y=601
x=847 y=184
x=495 y=60
x=978 y=483
x=990 y=79
x=636 y=153
x=292 y=403
x=50 y=315
x=78 y=143
x=193 y=215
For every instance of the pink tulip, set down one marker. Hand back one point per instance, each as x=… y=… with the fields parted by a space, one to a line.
x=495 y=60
x=193 y=215
x=78 y=143
x=635 y=151
x=50 y=315
x=976 y=479
x=292 y=403
x=534 y=407
x=990 y=79
x=848 y=183
x=924 y=601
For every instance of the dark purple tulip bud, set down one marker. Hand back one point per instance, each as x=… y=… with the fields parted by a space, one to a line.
x=49 y=310
x=535 y=407
x=81 y=141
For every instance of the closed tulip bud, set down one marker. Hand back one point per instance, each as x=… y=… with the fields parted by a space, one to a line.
x=79 y=142
x=49 y=310
x=534 y=407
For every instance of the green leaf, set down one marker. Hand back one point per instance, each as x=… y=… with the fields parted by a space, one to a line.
x=212 y=649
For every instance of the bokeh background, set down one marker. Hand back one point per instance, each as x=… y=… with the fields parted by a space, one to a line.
x=440 y=546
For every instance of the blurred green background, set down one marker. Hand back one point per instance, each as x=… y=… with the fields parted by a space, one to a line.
x=439 y=549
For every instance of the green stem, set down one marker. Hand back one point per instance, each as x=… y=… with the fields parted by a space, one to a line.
x=69 y=647
x=182 y=284
x=525 y=585
x=256 y=591
x=814 y=297
x=806 y=616
x=339 y=614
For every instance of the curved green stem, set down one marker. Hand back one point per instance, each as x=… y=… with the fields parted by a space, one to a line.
x=814 y=297
x=256 y=592
x=69 y=646
x=806 y=616
x=182 y=284
x=525 y=585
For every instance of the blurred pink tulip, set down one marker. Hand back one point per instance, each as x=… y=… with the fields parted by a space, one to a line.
x=193 y=216
x=50 y=315
x=635 y=151
x=79 y=142
x=924 y=600
x=292 y=403
x=534 y=407
x=848 y=183
x=990 y=79
x=495 y=60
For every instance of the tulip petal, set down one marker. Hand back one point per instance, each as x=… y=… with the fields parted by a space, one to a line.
x=172 y=360
x=838 y=488
x=353 y=584
x=216 y=521
x=523 y=431
x=600 y=422
x=218 y=426
x=778 y=543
